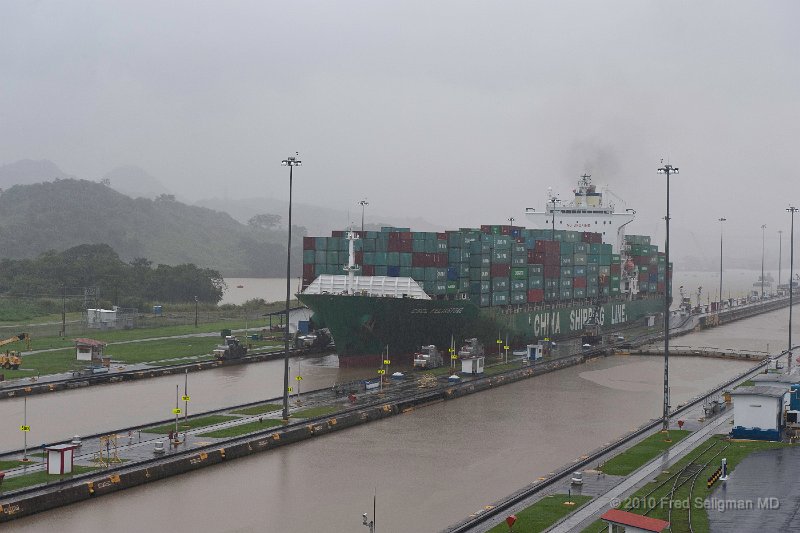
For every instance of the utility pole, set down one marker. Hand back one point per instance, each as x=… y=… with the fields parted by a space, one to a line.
x=791 y=210
x=291 y=162
x=64 y=313
x=763 y=227
x=667 y=169
x=780 y=258
x=721 y=220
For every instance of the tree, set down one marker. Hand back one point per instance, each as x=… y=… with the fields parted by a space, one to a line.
x=264 y=221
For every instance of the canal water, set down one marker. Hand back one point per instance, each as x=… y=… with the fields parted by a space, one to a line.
x=429 y=468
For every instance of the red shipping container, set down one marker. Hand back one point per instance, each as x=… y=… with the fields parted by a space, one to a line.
x=441 y=236
x=505 y=230
x=308 y=243
x=616 y=269
x=661 y=287
x=579 y=283
x=486 y=229
x=552 y=271
x=308 y=271
x=337 y=233
x=440 y=260
x=500 y=270
x=419 y=259
x=368 y=270
x=359 y=258
x=535 y=295
x=393 y=245
x=406 y=245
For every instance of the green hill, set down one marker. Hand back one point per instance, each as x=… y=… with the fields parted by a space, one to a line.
x=65 y=213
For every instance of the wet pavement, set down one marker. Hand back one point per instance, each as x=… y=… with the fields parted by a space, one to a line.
x=761 y=494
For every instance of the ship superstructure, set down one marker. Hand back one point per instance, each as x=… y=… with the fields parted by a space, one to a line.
x=588 y=211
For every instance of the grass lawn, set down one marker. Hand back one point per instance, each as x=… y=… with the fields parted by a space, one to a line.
x=243 y=429
x=316 y=411
x=137 y=352
x=8 y=465
x=258 y=409
x=748 y=383
x=543 y=513
x=734 y=454
x=636 y=456
x=37 y=478
x=192 y=423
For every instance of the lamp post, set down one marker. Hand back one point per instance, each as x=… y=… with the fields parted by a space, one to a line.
x=667 y=169
x=780 y=252
x=291 y=162
x=763 y=227
x=195 y=311
x=719 y=309
x=363 y=203
x=791 y=210
x=553 y=216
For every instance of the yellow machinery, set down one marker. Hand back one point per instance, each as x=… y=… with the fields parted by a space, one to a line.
x=11 y=359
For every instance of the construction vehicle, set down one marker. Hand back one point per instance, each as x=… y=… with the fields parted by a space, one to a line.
x=428 y=357
x=12 y=359
x=232 y=349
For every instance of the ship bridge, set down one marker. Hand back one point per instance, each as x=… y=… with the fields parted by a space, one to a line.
x=383 y=286
x=587 y=212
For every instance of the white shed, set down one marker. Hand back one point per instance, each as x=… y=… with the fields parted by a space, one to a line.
x=472 y=365
x=60 y=458
x=758 y=408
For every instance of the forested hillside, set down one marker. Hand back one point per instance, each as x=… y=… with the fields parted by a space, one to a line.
x=66 y=213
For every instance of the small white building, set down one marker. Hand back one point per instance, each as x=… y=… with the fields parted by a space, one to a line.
x=60 y=458
x=101 y=318
x=472 y=365
x=89 y=350
x=758 y=412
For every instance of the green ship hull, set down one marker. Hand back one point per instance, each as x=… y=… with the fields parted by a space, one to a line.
x=363 y=326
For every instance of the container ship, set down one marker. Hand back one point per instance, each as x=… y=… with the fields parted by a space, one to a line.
x=394 y=290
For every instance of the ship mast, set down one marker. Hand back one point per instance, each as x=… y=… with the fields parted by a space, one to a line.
x=351 y=267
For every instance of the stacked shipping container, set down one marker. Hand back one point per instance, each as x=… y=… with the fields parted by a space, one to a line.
x=493 y=266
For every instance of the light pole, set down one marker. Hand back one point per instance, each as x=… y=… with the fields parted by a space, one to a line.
x=780 y=252
x=195 y=311
x=719 y=308
x=763 y=227
x=363 y=203
x=291 y=162
x=791 y=210
x=511 y=220
x=553 y=216
x=667 y=169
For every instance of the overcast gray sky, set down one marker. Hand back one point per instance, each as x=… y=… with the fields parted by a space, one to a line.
x=460 y=112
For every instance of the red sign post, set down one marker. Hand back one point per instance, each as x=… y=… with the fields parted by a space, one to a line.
x=510 y=521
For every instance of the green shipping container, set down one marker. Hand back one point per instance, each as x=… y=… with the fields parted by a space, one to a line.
x=519 y=261
x=500 y=298
x=503 y=242
x=486 y=287
x=500 y=284
x=332 y=258
x=567 y=272
x=536 y=269
x=519 y=285
x=501 y=256
x=566 y=260
x=591 y=292
x=565 y=294
x=451 y=287
x=566 y=283
x=578 y=293
x=536 y=282
x=580 y=259
x=519 y=297
x=519 y=272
